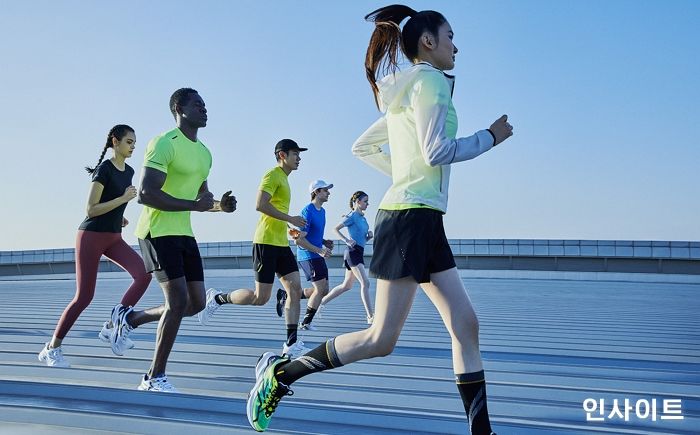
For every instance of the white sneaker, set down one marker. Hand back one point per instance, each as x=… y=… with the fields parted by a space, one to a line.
x=307 y=327
x=319 y=312
x=210 y=308
x=370 y=320
x=106 y=332
x=159 y=384
x=121 y=330
x=296 y=350
x=53 y=357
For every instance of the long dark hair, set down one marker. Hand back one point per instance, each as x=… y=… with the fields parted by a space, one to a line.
x=355 y=196
x=382 y=50
x=118 y=132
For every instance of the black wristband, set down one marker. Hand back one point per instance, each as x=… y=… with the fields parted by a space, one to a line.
x=492 y=135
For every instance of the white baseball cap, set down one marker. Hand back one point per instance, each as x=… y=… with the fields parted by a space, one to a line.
x=318 y=184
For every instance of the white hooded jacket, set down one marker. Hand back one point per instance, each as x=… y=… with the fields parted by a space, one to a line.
x=420 y=125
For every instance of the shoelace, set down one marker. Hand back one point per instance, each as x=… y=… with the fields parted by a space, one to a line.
x=211 y=308
x=126 y=331
x=274 y=398
x=56 y=354
x=163 y=383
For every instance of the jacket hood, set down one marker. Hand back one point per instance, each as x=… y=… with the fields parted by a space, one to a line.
x=393 y=89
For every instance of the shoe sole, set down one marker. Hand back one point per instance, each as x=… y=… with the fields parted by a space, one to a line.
x=258 y=381
x=142 y=388
x=105 y=339
x=280 y=304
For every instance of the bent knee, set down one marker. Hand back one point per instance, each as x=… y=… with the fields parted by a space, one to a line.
x=383 y=345
x=195 y=307
x=466 y=329
x=294 y=293
x=260 y=300
x=144 y=278
x=177 y=309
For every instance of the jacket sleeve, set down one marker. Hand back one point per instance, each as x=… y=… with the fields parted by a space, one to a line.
x=431 y=101
x=368 y=147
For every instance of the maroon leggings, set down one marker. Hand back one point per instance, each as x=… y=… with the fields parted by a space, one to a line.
x=89 y=248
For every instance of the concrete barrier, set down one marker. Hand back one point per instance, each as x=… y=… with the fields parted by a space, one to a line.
x=666 y=257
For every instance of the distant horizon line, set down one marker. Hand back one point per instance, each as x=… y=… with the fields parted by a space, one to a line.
x=532 y=241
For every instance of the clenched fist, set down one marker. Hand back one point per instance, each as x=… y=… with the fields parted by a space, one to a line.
x=501 y=129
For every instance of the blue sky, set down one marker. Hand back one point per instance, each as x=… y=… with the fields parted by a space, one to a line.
x=603 y=96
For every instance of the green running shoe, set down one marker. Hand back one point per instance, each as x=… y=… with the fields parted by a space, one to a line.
x=267 y=392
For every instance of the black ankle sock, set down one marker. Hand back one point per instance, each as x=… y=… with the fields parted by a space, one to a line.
x=303 y=295
x=309 y=316
x=322 y=358
x=292 y=334
x=128 y=321
x=472 y=388
x=221 y=298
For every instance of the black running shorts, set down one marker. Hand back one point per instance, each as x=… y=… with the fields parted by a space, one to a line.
x=171 y=257
x=315 y=269
x=353 y=256
x=410 y=243
x=269 y=260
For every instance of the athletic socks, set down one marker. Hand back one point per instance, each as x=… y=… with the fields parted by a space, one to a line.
x=322 y=358
x=309 y=317
x=292 y=334
x=221 y=298
x=472 y=388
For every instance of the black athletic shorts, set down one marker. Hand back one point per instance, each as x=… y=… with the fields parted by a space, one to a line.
x=314 y=269
x=269 y=260
x=353 y=256
x=171 y=257
x=410 y=243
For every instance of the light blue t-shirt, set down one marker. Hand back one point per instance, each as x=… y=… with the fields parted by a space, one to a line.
x=357 y=227
x=315 y=225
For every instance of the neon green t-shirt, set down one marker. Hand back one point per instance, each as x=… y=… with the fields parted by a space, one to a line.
x=187 y=166
x=271 y=231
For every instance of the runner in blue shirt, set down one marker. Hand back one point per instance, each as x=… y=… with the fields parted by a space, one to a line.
x=313 y=249
x=353 y=258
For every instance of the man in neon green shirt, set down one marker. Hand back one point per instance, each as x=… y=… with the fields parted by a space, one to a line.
x=173 y=184
x=271 y=252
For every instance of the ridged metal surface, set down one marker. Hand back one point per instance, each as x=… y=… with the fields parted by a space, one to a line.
x=547 y=345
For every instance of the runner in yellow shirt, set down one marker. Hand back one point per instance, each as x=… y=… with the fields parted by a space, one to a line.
x=173 y=184
x=271 y=252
